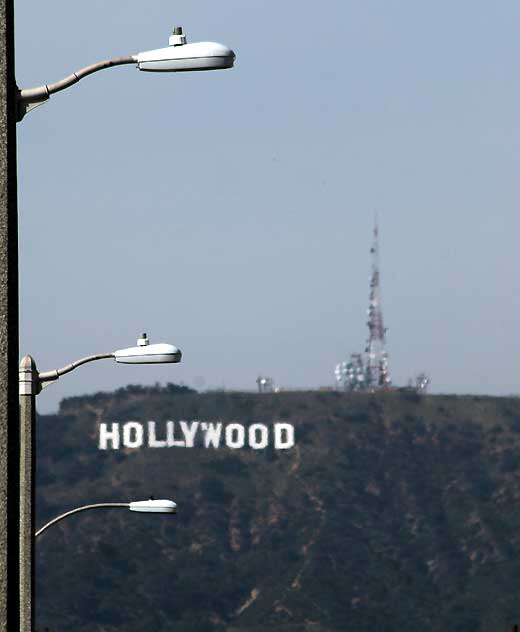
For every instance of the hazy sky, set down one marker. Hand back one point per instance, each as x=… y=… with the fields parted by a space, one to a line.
x=231 y=212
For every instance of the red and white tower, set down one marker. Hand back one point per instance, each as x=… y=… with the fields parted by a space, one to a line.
x=376 y=363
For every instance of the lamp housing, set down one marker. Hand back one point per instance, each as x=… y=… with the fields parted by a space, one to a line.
x=187 y=57
x=161 y=353
x=153 y=506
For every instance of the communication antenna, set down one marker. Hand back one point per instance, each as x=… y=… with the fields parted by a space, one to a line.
x=265 y=384
x=369 y=371
x=351 y=375
x=422 y=382
x=377 y=370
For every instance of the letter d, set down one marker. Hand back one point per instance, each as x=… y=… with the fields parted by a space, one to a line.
x=283 y=436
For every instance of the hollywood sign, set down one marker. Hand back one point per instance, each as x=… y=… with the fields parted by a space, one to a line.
x=189 y=434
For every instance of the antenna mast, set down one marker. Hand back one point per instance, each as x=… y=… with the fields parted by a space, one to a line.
x=369 y=371
x=378 y=374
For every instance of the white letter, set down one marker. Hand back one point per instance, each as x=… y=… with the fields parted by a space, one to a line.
x=170 y=434
x=240 y=436
x=212 y=436
x=153 y=442
x=137 y=441
x=105 y=436
x=189 y=431
x=279 y=443
x=262 y=441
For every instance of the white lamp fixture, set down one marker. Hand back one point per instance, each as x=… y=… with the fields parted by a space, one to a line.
x=153 y=506
x=180 y=56
x=145 y=353
x=31 y=382
x=144 y=506
x=177 y=57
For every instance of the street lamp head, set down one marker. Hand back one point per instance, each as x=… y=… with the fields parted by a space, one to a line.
x=181 y=57
x=145 y=353
x=177 y=57
x=153 y=506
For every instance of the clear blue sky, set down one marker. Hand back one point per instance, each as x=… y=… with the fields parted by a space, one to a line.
x=231 y=212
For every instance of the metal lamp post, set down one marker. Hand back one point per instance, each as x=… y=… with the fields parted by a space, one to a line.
x=14 y=104
x=31 y=383
x=9 y=431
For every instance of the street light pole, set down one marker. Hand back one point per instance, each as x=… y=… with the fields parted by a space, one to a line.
x=178 y=56
x=31 y=382
x=29 y=388
x=9 y=434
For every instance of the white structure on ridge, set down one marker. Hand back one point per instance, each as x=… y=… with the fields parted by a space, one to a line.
x=369 y=371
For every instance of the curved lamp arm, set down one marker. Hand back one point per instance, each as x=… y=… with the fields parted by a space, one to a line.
x=142 y=506
x=50 y=376
x=27 y=96
x=32 y=97
x=84 y=508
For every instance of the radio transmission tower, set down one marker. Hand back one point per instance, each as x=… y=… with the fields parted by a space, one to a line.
x=377 y=371
x=369 y=371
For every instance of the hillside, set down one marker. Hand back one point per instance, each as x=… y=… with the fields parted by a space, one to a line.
x=390 y=512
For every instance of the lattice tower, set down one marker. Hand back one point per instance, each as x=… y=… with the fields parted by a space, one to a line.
x=377 y=370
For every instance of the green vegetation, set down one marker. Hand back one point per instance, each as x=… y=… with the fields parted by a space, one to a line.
x=393 y=512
